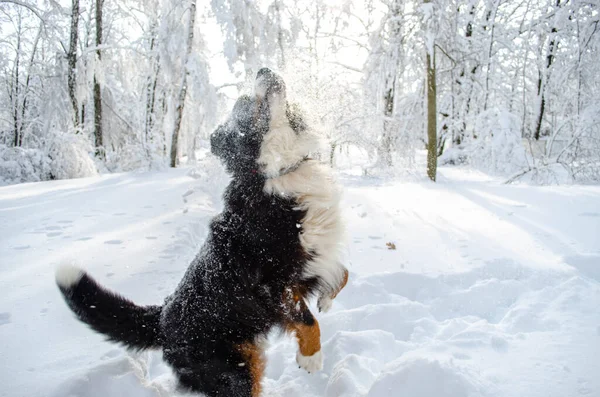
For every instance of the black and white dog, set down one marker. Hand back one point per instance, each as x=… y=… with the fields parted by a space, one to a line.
x=277 y=242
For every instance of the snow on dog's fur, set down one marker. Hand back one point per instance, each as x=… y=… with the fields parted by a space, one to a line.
x=311 y=184
x=276 y=243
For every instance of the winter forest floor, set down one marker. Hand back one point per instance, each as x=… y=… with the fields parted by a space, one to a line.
x=493 y=290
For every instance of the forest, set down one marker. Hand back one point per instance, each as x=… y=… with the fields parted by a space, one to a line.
x=510 y=88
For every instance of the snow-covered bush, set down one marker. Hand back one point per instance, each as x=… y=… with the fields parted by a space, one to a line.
x=496 y=146
x=19 y=165
x=64 y=156
x=134 y=156
x=581 y=155
x=70 y=157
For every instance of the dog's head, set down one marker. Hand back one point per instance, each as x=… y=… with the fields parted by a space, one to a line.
x=264 y=134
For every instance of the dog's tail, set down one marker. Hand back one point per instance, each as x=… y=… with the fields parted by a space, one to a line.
x=108 y=313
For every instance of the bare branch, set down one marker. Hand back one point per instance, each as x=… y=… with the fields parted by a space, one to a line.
x=352 y=68
x=28 y=6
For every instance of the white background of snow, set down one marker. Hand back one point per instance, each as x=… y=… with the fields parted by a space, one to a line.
x=493 y=290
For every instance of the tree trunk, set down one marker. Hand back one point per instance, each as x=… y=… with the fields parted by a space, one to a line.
x=27 y=81
x=72 y=62
x=151 y=83
x=282 y=63
x=97 y=90
x=431 y=105
x=183 y=88
x=386 y=145
x=431 y=118
x=332 y=153
x=465 y=82
x=15 y=92
x=491 y=18
x=543 y=79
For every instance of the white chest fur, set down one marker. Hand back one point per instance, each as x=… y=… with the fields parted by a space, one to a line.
x=314 y=187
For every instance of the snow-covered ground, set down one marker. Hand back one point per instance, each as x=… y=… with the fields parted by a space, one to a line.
x=492 y=290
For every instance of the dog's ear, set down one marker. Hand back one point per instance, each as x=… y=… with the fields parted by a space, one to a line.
x=223 y=139
x=243 y=111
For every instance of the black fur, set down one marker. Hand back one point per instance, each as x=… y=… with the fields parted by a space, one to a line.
x=114 y=316
x=232 y=292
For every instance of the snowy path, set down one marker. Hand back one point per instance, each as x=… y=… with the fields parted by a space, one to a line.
x=492 y=291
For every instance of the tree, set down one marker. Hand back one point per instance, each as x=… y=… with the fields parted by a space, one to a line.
x=72 y=62
x=428 y=10
x=544 y=73
x=392 y=64
x=99 y=141
x=183 y=86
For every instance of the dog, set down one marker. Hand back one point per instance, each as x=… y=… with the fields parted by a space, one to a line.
x=276 y=244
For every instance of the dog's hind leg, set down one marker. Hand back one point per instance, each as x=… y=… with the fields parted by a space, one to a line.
x=254 y=361
x=238 y=375
x=300 y=320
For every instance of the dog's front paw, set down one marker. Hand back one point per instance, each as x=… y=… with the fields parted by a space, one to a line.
x=324 y=304
x=312 y=363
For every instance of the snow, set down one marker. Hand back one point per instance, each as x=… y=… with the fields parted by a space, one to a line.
x=492 y=290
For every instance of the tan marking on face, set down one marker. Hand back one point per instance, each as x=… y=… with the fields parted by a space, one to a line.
x=255 y=360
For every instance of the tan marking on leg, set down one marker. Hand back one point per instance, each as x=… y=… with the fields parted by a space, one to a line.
x=255 y=360
x=309 y=337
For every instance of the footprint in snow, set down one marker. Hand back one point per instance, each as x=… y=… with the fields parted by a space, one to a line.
x=53 y=234
x=111 y=354
x=120 y=214
x=114 y=242
x=4 y=318
x=109 y=274
x=499 y=344
x=22 y=247
x=461 y=356
x=592 y=214
x=65 y=222
x=375 y=237
x=84 y=238
x=151 y=237
x=52 y=228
